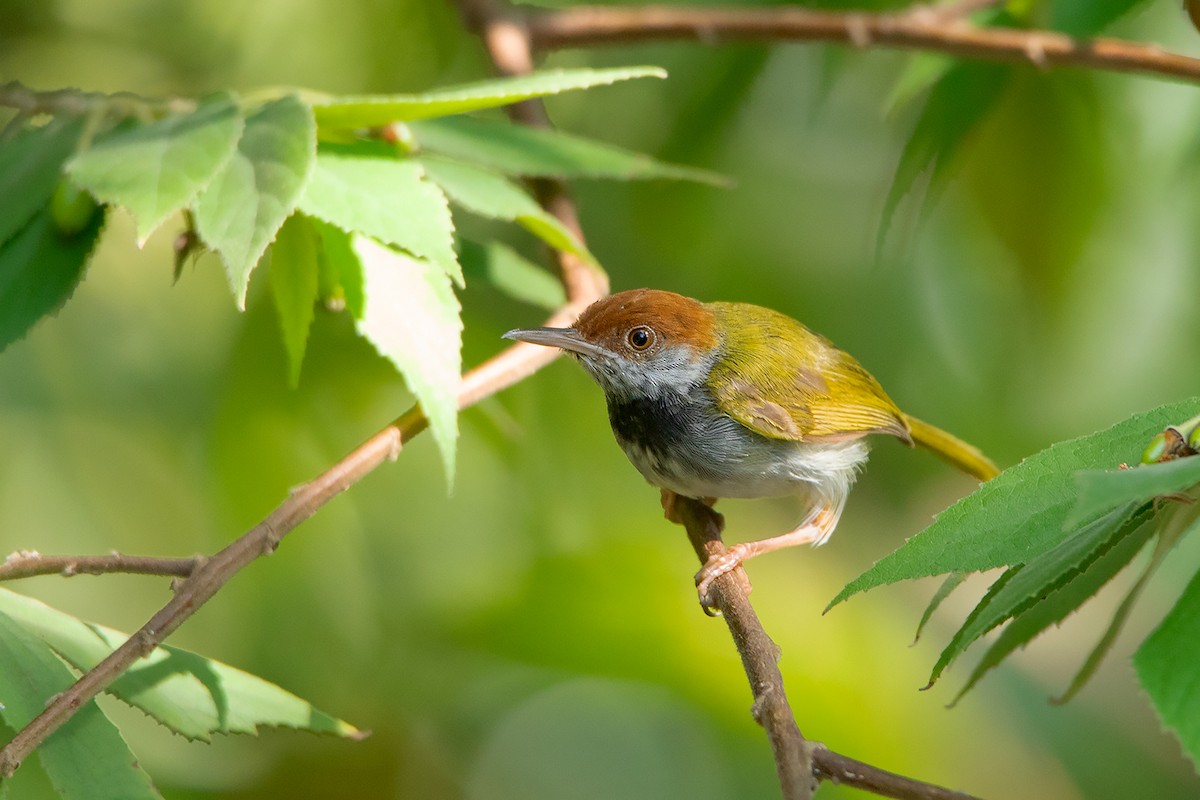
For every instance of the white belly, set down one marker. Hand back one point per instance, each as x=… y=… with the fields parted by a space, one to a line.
x=784 y=468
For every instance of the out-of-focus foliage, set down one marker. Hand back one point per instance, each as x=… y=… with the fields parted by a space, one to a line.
x=530 y=637
x=240 y=168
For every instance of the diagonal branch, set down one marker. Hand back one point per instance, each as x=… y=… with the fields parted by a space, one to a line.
x=760 y=655
x=584 y=284
x=922 y=27
x=505 y=369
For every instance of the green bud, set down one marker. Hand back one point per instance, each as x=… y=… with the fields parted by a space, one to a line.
x=1155 y=450
x=71 y=208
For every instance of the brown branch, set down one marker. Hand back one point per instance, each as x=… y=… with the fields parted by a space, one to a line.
x=798 y=762
x=28 y=563
x=760 y=655
x=503 y=370
x=918 y=28
x=837 y=768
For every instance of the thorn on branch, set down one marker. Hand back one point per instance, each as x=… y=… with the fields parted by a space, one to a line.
x=1035 y=49
x=858 y=28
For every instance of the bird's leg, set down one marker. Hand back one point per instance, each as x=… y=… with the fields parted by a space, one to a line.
x=815 y=530
x=670 y=504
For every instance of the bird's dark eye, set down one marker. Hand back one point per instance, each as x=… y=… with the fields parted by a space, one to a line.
x=640 y=338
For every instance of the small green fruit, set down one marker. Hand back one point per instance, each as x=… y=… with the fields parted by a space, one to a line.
x=71 y=208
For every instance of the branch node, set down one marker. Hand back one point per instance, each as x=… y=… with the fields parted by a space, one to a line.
x=1035 y=50
x=145 y=640
x=17 y=556
x=858 y=30
x=758 y=708
x=396 y=444
x=270 y=541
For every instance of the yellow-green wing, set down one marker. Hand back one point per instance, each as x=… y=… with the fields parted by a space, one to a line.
x=783 y=381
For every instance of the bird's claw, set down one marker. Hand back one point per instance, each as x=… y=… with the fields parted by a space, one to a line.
x=715 y=567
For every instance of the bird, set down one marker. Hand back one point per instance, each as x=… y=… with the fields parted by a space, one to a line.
x=734 y=400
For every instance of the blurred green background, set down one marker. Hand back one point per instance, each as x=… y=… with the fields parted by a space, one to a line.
x=536 y=635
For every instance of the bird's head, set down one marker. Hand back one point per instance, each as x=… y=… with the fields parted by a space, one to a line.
x=642 y=343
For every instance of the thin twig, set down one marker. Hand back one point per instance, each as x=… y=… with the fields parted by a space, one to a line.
x=919 y=28
x=799 y=763
x=837 y=768
x=28 y=563
x=760 y=655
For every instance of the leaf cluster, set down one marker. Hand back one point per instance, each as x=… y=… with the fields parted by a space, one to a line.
x=1060 y=525
x=349 y=199
x=350 y=204
x=42 y=651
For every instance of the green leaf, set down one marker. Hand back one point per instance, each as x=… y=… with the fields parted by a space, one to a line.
x=960 y=100
x=921 y=72
x=1166 y=667
x=190 y=694
x=522 y=150
x=1101 y=490
x=1062 y=600
x=947 y=587
x=508 y=271
x=30 y=168
x=257 y=188
x=1023 y=586
x=387 y=199
x=294 y=286
x=373 y=111
x=158 y=169
x=1181 y=520
x=86 y=757
x=39 y=270
x=412 y=318
x=1018 y=515
x=340 y=272
x=492 y=195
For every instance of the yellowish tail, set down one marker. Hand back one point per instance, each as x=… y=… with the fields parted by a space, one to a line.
x=952 y=449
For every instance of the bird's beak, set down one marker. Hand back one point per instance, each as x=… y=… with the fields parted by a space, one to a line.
x=565 y=338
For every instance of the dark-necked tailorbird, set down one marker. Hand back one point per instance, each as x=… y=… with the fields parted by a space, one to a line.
x=712 y=400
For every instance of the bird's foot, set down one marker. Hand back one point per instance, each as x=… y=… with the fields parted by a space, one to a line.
x=715 y=567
